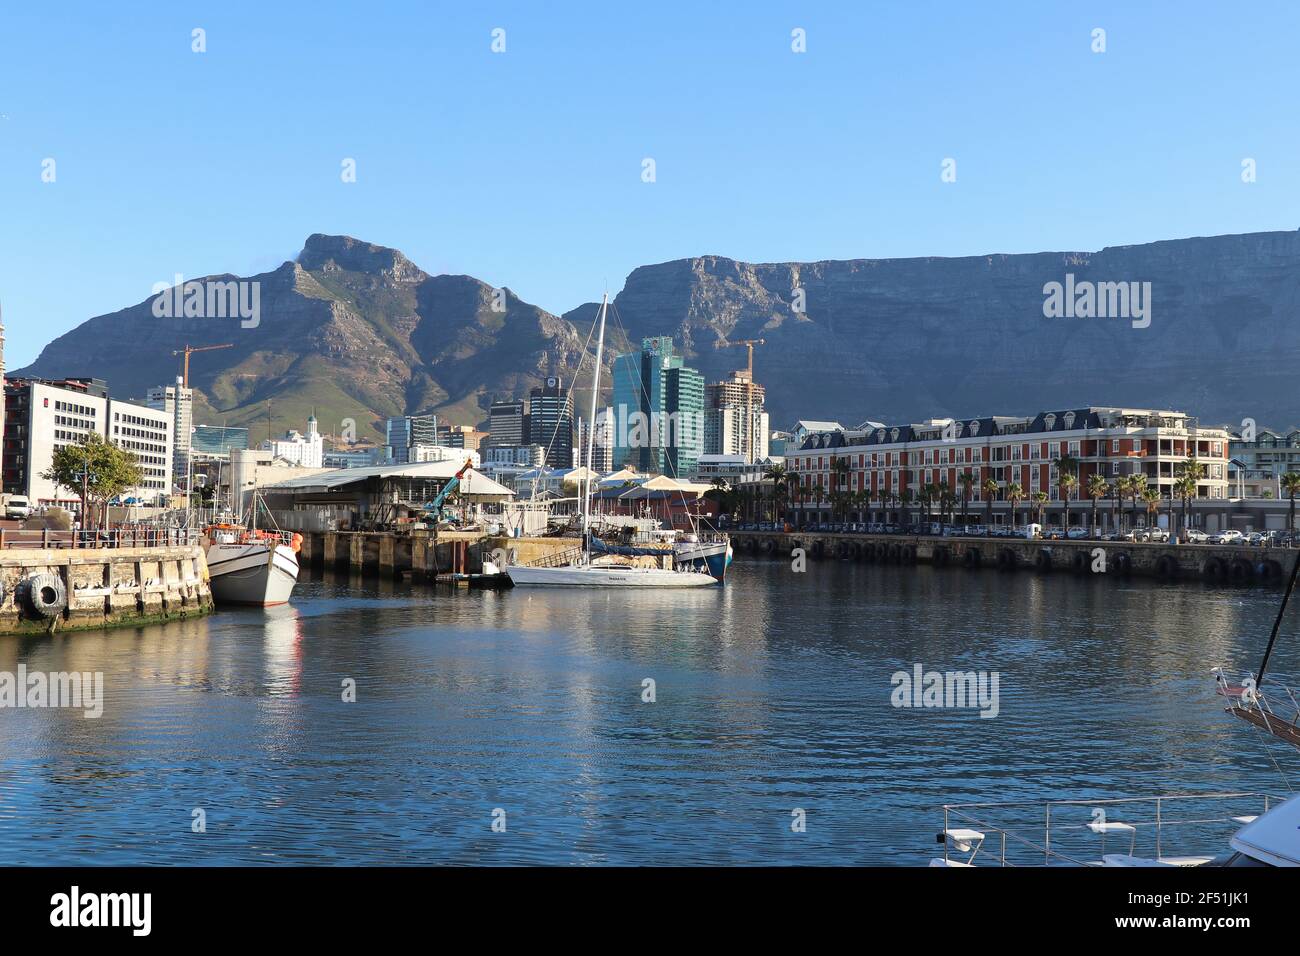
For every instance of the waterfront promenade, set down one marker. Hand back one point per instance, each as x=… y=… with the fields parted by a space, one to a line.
x=1216 y=564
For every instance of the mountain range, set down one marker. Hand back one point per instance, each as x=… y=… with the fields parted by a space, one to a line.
x=356 y=331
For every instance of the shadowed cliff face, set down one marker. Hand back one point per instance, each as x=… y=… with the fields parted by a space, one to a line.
x=901 y=339
x=358 y=331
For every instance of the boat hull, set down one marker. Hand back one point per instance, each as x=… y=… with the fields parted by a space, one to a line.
x=608 y=577
x=250 y=573
x=713 y=557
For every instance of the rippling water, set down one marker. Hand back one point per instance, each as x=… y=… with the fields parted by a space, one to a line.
x=772 y=694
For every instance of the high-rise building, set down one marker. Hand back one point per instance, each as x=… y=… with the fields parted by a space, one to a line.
x=659 y=410
x=734 y=420
x=178 y=402
x=403 y=431
x=508 y=423
x=602 y=452
x=460 y=436
x=550 y=421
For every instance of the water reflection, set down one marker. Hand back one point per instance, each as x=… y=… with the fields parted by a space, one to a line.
x=770 y=694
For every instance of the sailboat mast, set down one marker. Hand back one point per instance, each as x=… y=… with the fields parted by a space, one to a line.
x=591 y=422
x=1277 y=624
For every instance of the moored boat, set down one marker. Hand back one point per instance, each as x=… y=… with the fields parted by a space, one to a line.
x=247 y=566
x=596 y=564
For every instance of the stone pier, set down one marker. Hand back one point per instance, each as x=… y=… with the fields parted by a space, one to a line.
x=76 y=588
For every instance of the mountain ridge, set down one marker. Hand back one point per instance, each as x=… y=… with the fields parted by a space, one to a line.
x=359 y=331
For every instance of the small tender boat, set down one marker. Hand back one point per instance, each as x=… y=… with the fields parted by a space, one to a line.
x=251 y=565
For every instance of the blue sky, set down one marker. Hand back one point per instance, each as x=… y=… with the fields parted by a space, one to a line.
x=524 y=168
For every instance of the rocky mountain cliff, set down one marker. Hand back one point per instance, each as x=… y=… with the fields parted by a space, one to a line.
x=902 y=339
x=357 y=331
x=351 y=329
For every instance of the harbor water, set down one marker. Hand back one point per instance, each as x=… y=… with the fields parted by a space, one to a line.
x=520 y=727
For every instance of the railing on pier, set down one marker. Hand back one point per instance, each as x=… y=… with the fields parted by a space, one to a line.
x=133 y=537
x=558 y=559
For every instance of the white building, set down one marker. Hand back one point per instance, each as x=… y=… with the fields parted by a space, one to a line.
x=733 y=469
x=45 y=416
x=428 y=453
x=299 y=450
x=725 y=431
x=145 y=432
x=177 y=402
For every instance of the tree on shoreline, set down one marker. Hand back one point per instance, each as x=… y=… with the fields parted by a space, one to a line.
x=96 y=471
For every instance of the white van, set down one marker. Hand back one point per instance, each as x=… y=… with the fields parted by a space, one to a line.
x=17 y=506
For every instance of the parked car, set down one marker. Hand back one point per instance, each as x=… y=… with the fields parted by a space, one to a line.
x=1193 y=536
x=1229 y=536
x=1076 y=532
x=1157 y=534
x=18 y=507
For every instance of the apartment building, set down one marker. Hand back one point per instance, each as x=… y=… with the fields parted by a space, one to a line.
x=880 y=465
x=43 y=416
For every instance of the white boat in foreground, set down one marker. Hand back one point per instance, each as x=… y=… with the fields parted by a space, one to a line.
x=250 y=567
x=1169 y=830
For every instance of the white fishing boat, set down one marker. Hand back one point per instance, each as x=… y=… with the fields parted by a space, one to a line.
x=251 y=565
x=584 y=567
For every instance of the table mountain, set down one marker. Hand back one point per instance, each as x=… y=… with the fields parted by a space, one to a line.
x=904 y=339
x=358 y=331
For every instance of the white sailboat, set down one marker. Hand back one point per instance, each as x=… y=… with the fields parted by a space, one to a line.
x=580 y=568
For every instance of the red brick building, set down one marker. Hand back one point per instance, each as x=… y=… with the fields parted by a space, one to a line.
x=873 y=470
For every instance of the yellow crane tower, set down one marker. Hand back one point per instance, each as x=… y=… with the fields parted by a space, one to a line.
x=190 y=350
x=749 y=390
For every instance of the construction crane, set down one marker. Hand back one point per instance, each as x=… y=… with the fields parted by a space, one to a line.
x=190 y=350
x=434 y=508
x=749 y=390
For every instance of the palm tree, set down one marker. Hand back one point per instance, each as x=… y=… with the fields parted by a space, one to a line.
x=948 y=503
x=1137 y=486
x=1067 y=478
x=990 y=490
x=1291 y=484
x=1117 y=500
x=1191 y=471
x=1015 y=494
x=966 y=480
x=1040 y=505
x=1097 y=489
x=1152 y=497
x=778 y=476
